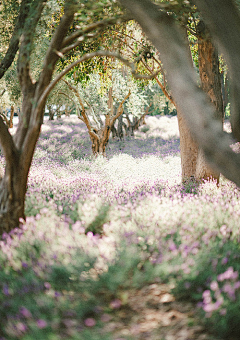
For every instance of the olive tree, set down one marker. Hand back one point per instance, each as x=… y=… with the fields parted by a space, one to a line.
x=19 y=149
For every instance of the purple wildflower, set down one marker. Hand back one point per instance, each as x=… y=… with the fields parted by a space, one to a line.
x=41 y=323
x=90 y=322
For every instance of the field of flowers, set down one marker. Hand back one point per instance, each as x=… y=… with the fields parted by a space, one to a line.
x=117 y=248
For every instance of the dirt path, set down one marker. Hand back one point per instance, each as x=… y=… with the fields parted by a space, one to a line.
x=152 y=313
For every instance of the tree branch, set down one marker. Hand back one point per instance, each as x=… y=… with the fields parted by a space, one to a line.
x=56 y=44
x=97 y=120
x=99 y=24
x=26 y=43
x=163 y=87
x=85 y=117
x=14 y=41
x=78 y=42
x=7 y=144
x=87 y=57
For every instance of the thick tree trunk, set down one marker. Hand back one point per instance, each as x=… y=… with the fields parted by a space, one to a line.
x=188 y=146
x=100 y=140
x=12 y=198
x=13 y=185
x=188 y=150
x=211 y=85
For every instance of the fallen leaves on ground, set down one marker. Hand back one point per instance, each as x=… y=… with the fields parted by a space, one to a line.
x=152 y=313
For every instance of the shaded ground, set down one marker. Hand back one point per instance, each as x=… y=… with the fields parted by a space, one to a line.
x=152 y=313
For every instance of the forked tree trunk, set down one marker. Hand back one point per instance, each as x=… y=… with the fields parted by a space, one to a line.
x=100 y=140
x=211 y=84
x=99 y=136
x=132 y=125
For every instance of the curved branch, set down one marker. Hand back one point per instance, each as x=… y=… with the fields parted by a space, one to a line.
x=163 y=88
x=90 y=56
x=99 y=24
x=78 y=42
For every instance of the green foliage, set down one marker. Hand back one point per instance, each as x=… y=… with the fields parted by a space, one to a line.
x=228 y=110
x=96 y=226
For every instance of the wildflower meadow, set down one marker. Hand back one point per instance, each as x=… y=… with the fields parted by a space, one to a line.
x=117 y=248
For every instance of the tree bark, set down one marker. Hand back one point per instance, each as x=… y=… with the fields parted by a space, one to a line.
x=100 y=141
x=211 y=85
x=188 y=149
x=188 y=146
x=223 y=20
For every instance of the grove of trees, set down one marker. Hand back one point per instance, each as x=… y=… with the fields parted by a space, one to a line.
x=47 y=41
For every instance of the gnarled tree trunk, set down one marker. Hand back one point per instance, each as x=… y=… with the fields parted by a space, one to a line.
x=100 y=135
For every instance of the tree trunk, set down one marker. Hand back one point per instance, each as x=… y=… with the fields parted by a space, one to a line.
x=12 y=198
x=120 y=127
x=188 y=146
x=188 y=150
x=13 y=185
x=114 y=131
x=211 y=85
x=10 y=125
x=51 y=112
x=100 y=139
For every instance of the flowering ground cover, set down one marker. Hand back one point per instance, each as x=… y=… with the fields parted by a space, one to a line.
x=116 y=248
